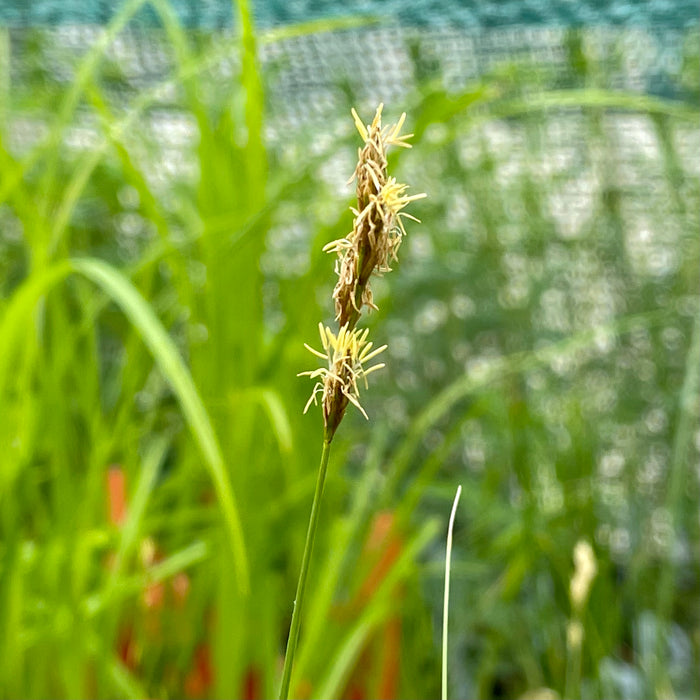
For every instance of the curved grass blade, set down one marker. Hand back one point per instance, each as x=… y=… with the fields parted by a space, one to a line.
x=317 y=26
x=119 y=288
x=446 y=600
x=171 y=364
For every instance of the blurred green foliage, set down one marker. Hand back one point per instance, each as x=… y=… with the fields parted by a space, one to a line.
x=160 y=269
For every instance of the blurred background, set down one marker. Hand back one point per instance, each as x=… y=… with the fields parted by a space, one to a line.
x=169 y=172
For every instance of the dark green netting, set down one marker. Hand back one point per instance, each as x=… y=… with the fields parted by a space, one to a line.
x=465 y=14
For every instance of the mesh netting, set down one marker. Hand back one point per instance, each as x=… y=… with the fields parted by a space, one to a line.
x=558 y=145
x=465 y=14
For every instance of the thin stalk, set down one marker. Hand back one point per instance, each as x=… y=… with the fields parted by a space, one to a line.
x=680 y=466
x=446 y=602
x=574 y=657
x=306 y=559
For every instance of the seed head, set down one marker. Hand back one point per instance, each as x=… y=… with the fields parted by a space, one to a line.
x=369 y=248
x=346 y=355
x=377 y=227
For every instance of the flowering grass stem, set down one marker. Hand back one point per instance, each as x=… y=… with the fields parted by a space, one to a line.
x=305 y=561
x=369 y=248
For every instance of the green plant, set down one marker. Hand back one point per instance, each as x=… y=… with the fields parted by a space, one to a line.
x=369 y=248
x=543 y=354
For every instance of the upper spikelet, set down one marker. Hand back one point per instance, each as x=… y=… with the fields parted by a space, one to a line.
x=377 y=227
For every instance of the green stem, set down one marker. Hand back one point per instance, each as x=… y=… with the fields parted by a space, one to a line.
x=680 y=467
x=574 y=657
x=306 y=559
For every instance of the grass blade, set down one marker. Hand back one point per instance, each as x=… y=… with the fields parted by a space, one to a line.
x=166 y=355
x=446 y=600
x=171 y=364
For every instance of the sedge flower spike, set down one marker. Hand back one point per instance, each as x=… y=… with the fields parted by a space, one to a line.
x=369 y=248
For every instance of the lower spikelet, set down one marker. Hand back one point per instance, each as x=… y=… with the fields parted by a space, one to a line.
x=346 y=355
